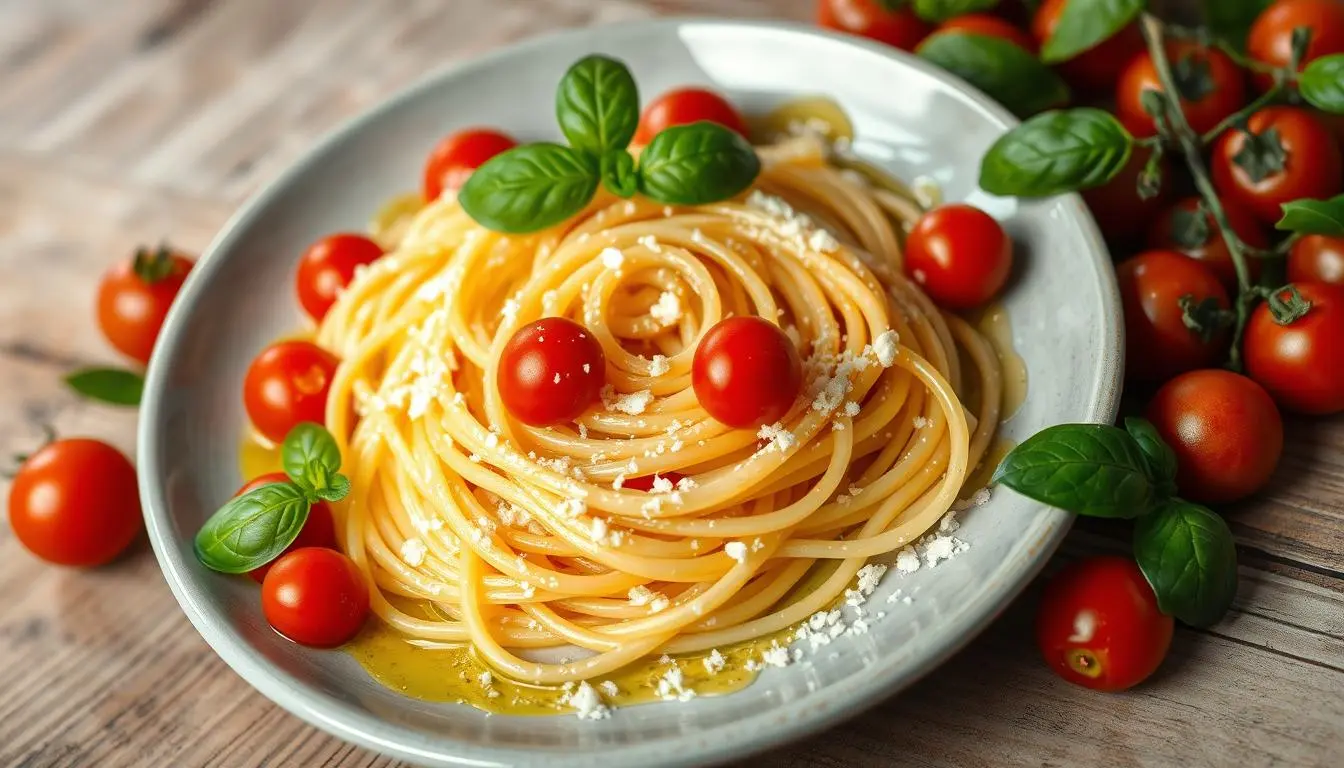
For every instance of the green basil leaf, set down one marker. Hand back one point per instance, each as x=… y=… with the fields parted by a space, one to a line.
x=1002 y=69
x=1090 y=469
x=108 y=385
x=696 y=164
x=942 y=10
x=1314 y=217
x=1083 y=24
x=252 y=529
x=1230 y=20
x=1159 y=457
x=597 y=105
x=1056 y=152
x=337 y=489
x=618 y=173
x=1322 y=83
x=310 y=456
x=1190 y=559
x=530 y=188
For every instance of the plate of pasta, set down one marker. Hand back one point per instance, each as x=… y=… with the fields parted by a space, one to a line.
x=629 y=394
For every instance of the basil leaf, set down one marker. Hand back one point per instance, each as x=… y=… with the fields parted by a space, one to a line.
x=1090 y=469
x=597 y=105
x=618 y=173
x=1056 y=152
x=337 y=489
x=1083 y=24
x=252 y=529
x=1231 y=20
x=311 y=457
x=1159 y=457
x=1322 y=83
x=1011 y=76
x=1314 y=217
x=530 y=188
x=942 y=10
x=1190 y=559
x=696 y=164
x=108 y=385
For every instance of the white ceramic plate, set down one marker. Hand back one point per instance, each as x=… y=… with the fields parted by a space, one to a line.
x=910 y=119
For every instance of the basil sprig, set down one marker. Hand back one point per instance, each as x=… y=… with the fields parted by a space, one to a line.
x=535 y=186
x=1314 y=217
x=1186 y=552
x=253 y=529
x=114 y=386
x=1322 y=83
x=1056 y=152
x=1084 y=24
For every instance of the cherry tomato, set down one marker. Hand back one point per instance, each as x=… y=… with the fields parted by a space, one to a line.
x=1158 y=345
x=288 y=384
x=1271 y=37
x=134 y=297
x=1210 y=86
x=645 y=483
x=75 y=502
x=550 y=371
x=1120 y=213
x=328 y=266
x=990 y=26
x=1098 y=624
x=1182 y=228
x=458 y=154
x=315 y=597
x=1096 y=68
x=1300 y=363
x=1317 y=259
x=869 y=18
x=959 y=255
x=1311 y=166
x=318 y=531
x=682 y=106
x=746 y=372
x=1225 y=430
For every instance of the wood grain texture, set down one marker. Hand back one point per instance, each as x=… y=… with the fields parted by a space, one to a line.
x=131 y=120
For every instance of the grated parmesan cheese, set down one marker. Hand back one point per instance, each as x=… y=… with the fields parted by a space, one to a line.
x=413 y=552
x=779 y=438
x=612 y=258
x=736 y=550
x=659 y=365
x=887 y=346
x=715 y=662
x=633 y=403
x=587 y=703
x=667 y=310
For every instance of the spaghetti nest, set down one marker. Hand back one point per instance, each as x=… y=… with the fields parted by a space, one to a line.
x=527 y=538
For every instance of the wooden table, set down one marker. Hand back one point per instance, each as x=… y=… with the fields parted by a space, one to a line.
x=126 y=121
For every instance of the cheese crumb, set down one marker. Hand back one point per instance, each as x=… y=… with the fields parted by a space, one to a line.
x=667 y=310
x=715 y=662
x=633 y=403
x=852 y=409
x=609 y=688
x=651 y=243
x=822 y=241
x=612 y=258
x=780 y=439
x=736 y=550
x=920 y=422
x=413 y=552
x=776 y=656
x=672 y=685
x=907 y=561
x=887 y=346
x=587 y=703
x=659 y=365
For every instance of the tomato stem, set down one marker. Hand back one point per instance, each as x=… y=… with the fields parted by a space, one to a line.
x=1203 y=36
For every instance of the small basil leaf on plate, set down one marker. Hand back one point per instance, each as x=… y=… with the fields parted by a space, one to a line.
x=311 y=458
x=618 y=173
x=1314 y=217
x=253 y=529
x=1189 y=557
x=1161 y=460
x=108 y=385
x=597 y=105
x=1084 y=24
x=337 y=489
x=1322 y=83
x=1056 y=152
x=942 y=10
x=530 y=188
x=1011 y=76
x=696 y=164
x=1090 y=469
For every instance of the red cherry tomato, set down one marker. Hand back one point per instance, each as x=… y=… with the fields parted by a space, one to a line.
x=75 y=502
x=458 y=154
x=1120 y=213
x=990 y=26
x=1179 y=228
x=1317 y=259
x=328 y=266
x=134 y=297
x=550 y=371
x=1096 y=68
x=1300 y=363
x=645 y=483
x=869 y=18
x=1098 y=625
x=746 y=372
x=1158 y=345
x=1312 y=165
x=1211 y=87
x=959 y=255
x=1225 y=430
x=1271 y=37
x=682 y=106
x=288 y=384
x=315 y=597
x=318 y=531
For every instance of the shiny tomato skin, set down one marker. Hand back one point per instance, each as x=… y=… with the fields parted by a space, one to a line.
x=1120 y=213
x=959 y=255
x=1300 y=363
x=75 y=502
x=1225 y=430
x=328 y=266
x=1317 y=259
x=1097 y=68
x=131 y=310
x=746 y=372
x=682 y=106
x=1227 y=90
x=453 y=159
x=1313 y=167
x=1271 y=36
x=550 y=372
x=867 y=18
x=1158 y=345
x=319 y=530
x=1213 y=252
x=990 y=26
x=288 y=384
x=316 y=597
x=1098 y=624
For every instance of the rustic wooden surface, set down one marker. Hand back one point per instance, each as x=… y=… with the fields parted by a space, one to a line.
x=123 y=121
